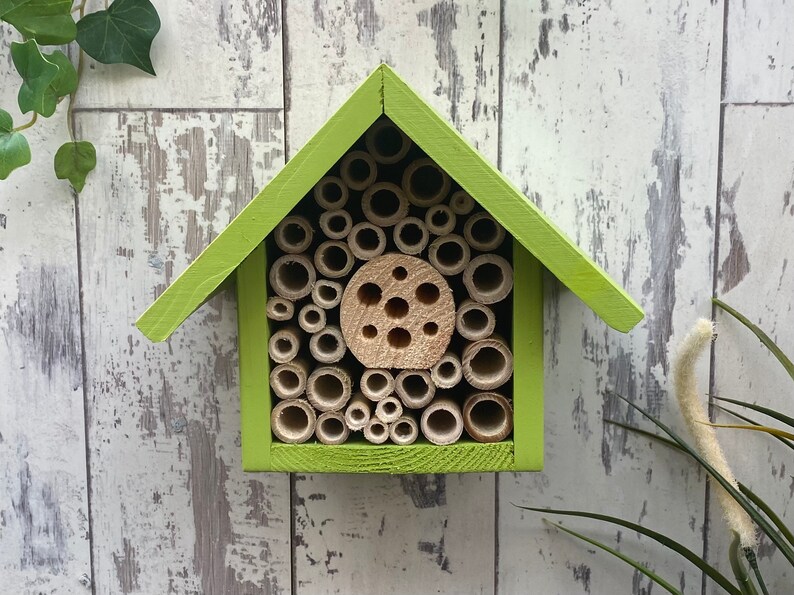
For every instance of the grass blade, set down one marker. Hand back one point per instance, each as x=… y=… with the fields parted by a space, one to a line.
x=773 y=413
x=636 y=430
x=750 y=421
x=767 y=510
x=636 y=565
x=739 y=571
x=755 y=428
x=669 y=543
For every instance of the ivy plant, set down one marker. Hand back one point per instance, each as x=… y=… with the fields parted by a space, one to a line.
x=122 y=33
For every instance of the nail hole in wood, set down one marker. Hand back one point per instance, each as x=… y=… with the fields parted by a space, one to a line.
x=428 y=293
x=369 y=332
x=430 y=329
x=396 y=308
x=399 y=338
x=399 y=273
x=369 y=294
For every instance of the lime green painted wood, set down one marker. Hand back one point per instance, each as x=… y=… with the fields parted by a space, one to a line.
x=369 y=458
x=253 y=334
x=264 y=212
x=508 y=205
x=528 y=353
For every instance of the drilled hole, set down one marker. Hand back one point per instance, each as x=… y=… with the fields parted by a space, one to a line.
x=488 y=363
x=388 y=141
x=488 y=416
x=369 y=332
x=399 y=273
x=441 y=422
x=449 y=254
x=288 y=380
x=293 y=276
x=475 y=319
x=369 y=294
x=396 y=308
x=488 y=277
x=399 y=338
x=359 y=170
x=483 y=230
x=332 y=428
x=411 y=234
x=294 y=420
x=427 y=293
x=427 y=181
x=430 y=329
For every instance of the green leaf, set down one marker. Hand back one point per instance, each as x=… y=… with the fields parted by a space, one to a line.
x=767 y=510
x=636 y=565
x=765 y=429
x=739 y=571
x=74 y=161
x=37 y=74
x=781 y=417
x=704 y=566
x=122 y=34
x=66 y=81
x=750 y=421
x=49 y=22
x=765 y=339
x=14 y=148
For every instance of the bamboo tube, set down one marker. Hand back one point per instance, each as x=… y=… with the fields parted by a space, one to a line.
x=358 y=170
x=384 y=204
x=279 y=309
x=311 y=318
x=292 y=276
x=442 y=422
x=293 y=421
x=425 y=184
x=440 y=220
x=336 y=224
x=284 y=344
x=461 y=203
x=487 y=364
x=288 y=380
x=389 y=409
x=366 y=240
x=415 y=388
x=376 y=431
x=358 y=412
x=376 y=383
x=331 y=193
x=475 y=321
x=483 y=232
x=333 y=259
x=331 y=428
x=328 y=388
x=327 y=294
x=404 y=430
x=488 y=278
x=410 y=235
x=487 y=417
x=449 y=254
x=448 y=372
x=293 y=234
x=386 y=143
x=328 y=346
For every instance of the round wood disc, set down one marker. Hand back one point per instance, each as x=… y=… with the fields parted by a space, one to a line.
x=397 y=312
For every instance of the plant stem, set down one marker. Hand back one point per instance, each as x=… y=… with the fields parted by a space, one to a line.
x=80 y=8
x=70 y=109
x=749 y=554
x=28 y=125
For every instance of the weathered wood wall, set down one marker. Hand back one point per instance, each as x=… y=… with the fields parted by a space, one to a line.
x=633 y=124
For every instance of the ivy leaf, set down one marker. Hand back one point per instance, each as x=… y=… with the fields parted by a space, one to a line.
x=37 y=74
x=65 y=82
x=74 y=161
x=49 y=22
x=122 y=34
x=14 y=148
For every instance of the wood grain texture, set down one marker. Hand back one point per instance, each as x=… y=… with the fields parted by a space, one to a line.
x=754 y=261
x=610 y=125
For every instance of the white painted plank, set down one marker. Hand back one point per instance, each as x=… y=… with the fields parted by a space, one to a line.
x=760 y=52
x=372 y=534
x=208 y=54
x=755 y=276
x=172 y=510
x=610 y=123
x=44 y=541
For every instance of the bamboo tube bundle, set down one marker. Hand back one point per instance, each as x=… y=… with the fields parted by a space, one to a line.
x=461 y=203
x=425 y=183
x=279 y=309
x=487 y=417
x=449 y=254
x=331 y=193
x=442 y=422
x=376 y=431
x=475 y=321
x=366 y=240
x=448 y=372
x=311 y=318
x=410 y=235
x=488 y=278
x=358 y=412
x=404 y=430
x=483 y=232
x=331 y=428
x=376 y=383
x=288 y=380
x=440 y=220
x=386 y=143
x=384 y=204
x=358 y=170
x=292 y=276
x=415 y=388
x=327 y=345
x=488 y=363
x=293 y=421
x=388 y=409
x=284 y=344
x=294 y=234
x=336 y=224
x=334 y=259
x=328 y=388
x=327 y=294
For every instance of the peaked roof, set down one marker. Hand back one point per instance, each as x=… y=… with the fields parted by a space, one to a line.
x=383 y=92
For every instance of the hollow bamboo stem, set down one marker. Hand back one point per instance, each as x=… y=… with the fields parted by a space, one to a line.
x=292 y=276
x=386 y=143
x=376 y=383
x=404 y=430
x=327 y=345
x=293 y=234
x=334 y=259
x=448 y=372
x=415 y=388
x=410 y=235
x=440 y=220
x=376 y=431
x=331 y=193
x=358 y=412
x=293 y=421
x=384 y=204
x=442 y=422
x=488 y=278
x=336 y=224
x=311 y=318
x=284 y=344
x=279 y=309
x=488 y=363
x=425 y=184
x=358 y=170
x=327 y=294
x=288 y=380
x=487 y=417
x=389 y=409
x=328 y=388
x=366 y=240
x=331 y=428
x=449 y=254
x=461 y=203
x=475 y=321
x=483 y=232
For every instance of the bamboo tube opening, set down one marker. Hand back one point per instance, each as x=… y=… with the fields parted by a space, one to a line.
x=440 y=220
x=366 y=241
x=442 y=422
x=376 y=431
x=483 y=232
x=475 y=321
x=293 y=234
x=424 y=183
x=331 y=193
x=336 y=224
x=384 y=204
x=328 y=388
x=358 y=412
x=331 y=428
x=279 y=309
x=410 y=235
x=389 y=409
x=449 y=254
x=334 y=259
x=327 y=294
x=461 y=203
x=358 y=170
x=293 y=421
x=404 y=431
x=415 y=388
x=327 y=345
x=386 y=143
x=487 y=417
x=311 y=318
x=284 y=345
x=292 y=276
x=288 y=380
x=488 y=278
x=376 y=383
x=487 y=364
x=448 y=372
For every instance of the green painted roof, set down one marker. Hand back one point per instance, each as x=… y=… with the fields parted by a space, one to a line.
x=383 y=92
